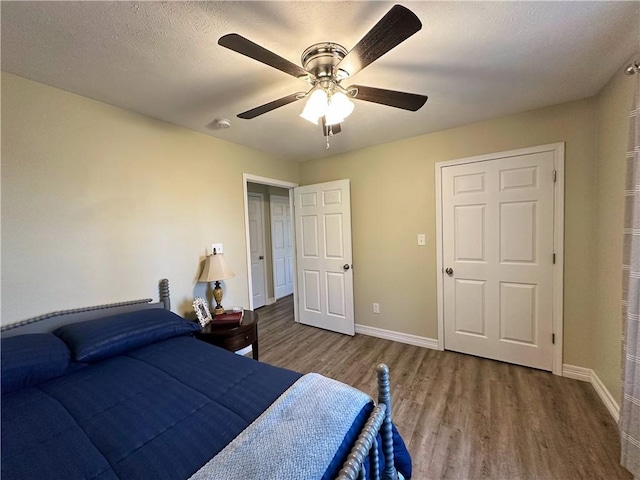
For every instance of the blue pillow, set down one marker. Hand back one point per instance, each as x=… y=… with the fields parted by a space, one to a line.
x=106 y=337
x=27 y=360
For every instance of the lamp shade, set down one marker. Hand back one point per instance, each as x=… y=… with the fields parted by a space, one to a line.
x=215 y=268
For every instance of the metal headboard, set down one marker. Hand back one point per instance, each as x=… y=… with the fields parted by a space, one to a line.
x=50 y=321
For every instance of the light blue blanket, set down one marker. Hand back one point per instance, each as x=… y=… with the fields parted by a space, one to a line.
x=295 y=438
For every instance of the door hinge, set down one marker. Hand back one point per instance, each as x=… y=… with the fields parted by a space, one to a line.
x=555 y=176
x=553 y=338
x=554 y=258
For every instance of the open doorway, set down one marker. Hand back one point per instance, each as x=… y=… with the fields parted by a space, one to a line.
x=269 y=239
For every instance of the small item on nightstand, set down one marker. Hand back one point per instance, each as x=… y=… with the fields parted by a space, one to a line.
x=237 y=309
x=229 y=318
x=202 y=311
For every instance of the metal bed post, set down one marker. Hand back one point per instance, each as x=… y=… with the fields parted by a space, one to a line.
x=384 y=397
x=351 y=467
x=379 y=421
x=374 y=460
x=164 y=294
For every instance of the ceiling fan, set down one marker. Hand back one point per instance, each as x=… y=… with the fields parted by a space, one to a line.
x=327 y=64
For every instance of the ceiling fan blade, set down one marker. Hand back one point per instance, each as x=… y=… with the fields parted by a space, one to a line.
x=394 y=28
x=246 y=47
x=267 y=107
x=329 y=130
x=392 y=98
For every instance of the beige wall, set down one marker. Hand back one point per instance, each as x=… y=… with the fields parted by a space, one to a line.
x=392 y=195
x=267 y=191
x=613 y=106
x=99 y=204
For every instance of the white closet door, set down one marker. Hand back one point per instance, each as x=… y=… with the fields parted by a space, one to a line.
x=497 y=237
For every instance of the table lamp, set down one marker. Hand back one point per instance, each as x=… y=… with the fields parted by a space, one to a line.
x=216 y=269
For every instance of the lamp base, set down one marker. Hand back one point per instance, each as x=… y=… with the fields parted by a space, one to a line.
x=217 y=296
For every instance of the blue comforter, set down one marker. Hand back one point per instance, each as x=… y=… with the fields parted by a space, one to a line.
x=160 y=411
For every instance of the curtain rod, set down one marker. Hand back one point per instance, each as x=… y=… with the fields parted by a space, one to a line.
x=632 y=68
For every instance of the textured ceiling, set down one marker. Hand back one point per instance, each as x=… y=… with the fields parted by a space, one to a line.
x=475 y=60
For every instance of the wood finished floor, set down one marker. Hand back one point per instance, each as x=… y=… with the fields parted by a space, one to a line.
x=462 y=417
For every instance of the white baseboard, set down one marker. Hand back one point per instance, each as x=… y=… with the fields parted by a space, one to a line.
x=577 y=373
x=588 y=375
x=606 y=397
x=271 y=301
x=416 y=340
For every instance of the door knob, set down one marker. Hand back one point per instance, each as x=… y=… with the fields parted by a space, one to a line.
x=346 y=267
x=449 y=271
x=261 y=257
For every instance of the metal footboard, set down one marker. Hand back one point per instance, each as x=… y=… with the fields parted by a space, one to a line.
x=379 y=421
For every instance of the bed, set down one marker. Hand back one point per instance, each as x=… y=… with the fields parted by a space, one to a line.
x=125 y=391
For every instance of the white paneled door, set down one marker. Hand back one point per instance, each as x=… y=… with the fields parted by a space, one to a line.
x=324 y=260
x=256 y=246
x=497 y=254
x=282 y=243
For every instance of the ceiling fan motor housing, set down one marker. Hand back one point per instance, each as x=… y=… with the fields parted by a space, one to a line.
x=320 y=60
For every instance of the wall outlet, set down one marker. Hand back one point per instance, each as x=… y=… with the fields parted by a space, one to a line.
x=218 y=247
x=376 y=308
x=422 y=239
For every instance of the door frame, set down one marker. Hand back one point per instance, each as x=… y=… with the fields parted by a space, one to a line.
x=264 y=246
x=246 y=178
x=273 y=248
x=558 y=239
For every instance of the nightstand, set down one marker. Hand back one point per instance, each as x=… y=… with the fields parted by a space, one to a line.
x=233 y=337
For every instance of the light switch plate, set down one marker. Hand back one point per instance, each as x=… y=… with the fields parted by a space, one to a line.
x=218 y=247
x=422 y=239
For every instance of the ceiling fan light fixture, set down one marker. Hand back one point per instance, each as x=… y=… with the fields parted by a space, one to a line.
x=316 y=106
x=331 y=118
x=334 y=108
x=340 y=105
